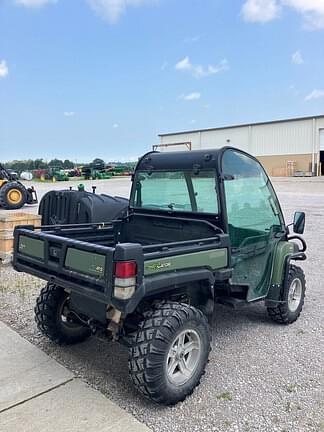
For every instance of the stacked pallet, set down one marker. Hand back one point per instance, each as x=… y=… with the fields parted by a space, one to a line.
x=8 y=222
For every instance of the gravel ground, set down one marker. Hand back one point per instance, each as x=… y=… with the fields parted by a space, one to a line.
x=261 y=376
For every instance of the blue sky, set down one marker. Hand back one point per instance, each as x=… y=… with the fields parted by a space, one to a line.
x=101 y=78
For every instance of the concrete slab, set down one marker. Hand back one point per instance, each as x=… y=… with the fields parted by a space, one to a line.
x=25 y=371
x=11 y=342
x=73 y=407
x=39 y=395
x=129 y=425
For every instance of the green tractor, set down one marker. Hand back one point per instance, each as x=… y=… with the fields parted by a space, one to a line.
x=13 y=194
x=96 y=171
x=57 y=174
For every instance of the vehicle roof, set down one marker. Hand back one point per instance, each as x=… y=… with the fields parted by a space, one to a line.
x=182 y=160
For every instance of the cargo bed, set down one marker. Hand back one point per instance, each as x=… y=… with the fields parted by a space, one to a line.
x=82 y=257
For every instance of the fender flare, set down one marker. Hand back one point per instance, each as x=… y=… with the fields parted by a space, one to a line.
x=154 y=285
x=282 y=260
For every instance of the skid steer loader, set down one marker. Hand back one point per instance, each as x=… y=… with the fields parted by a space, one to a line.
x=13 y=194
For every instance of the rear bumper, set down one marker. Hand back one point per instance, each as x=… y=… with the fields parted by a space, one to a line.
x=84 y=269
x=77 y=266
x=86 y=296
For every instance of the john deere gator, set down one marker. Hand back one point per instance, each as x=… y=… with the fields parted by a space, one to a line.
x=202 y=228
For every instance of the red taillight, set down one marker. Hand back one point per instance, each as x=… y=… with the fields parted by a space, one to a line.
x=125 y=269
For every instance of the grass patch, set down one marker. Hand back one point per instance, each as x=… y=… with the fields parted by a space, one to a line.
x=21 y=284
x=227 y=396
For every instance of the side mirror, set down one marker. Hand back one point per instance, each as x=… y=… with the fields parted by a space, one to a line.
x=299 y=222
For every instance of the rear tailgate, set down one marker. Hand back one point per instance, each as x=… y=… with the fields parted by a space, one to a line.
x=83 y=267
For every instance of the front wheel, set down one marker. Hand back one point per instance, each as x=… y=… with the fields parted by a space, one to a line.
x=293 y=296
x=55 y=320
x=169 y=352
x=13 y=196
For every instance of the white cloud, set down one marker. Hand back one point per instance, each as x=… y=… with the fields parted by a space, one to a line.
x=312 y=11
x=184 y=64
x=191 y=96
x=200 y=71
x=315 y=94
x=193 y=39
x=260 y=10
x=314 y=21
x=295 y=91
x=297 y=58
x=115 y=125
x=34 y=3
x=111 y=10
x=3 y=69
x=69 y=113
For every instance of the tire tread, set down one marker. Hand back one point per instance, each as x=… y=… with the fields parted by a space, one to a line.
x=156 y=325
x=46 y=316
x=280 y=313
x=3 y=196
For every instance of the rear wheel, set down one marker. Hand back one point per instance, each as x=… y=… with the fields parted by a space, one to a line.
x=13 y=196
x=54 y=318
x=169 y=352
x=293 y=296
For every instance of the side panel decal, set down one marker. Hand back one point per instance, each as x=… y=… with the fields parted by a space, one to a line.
x=213 y=259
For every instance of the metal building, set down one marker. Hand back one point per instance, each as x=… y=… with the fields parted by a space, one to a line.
x=285 y=147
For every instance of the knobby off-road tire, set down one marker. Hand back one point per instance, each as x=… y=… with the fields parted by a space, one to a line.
x=13 y=196
x=163 y=338
x=51 y=304
x=293 y=294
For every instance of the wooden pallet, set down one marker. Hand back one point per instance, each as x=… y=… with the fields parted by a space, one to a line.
x=8 y=222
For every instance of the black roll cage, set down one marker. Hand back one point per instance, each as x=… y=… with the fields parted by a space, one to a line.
x=196 y=159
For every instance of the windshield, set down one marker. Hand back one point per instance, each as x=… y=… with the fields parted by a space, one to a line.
x=182 y=191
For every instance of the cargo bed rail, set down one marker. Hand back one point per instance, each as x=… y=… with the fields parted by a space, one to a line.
x=68 y=262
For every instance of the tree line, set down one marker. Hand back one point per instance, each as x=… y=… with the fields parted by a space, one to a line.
x=41 y=164
x=35 y=164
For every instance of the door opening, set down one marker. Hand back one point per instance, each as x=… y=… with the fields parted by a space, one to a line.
x=322 y=162
x=321 y=140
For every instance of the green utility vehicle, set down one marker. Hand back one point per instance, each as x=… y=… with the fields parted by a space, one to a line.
x=203 y=227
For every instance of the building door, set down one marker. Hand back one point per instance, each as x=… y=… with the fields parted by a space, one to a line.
x=322 y=151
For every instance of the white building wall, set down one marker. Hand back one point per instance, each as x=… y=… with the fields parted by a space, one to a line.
x=319 y=132
x=322 y=139
x=293 y=137
x=236 y=137
x=193 y=138
x=281 y=138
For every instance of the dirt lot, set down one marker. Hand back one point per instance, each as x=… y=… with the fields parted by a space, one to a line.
x=261 y=376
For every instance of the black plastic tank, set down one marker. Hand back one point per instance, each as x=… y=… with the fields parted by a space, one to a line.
x=77 y=207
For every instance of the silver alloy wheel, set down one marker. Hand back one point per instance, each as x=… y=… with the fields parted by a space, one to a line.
x=183 y=357
x=295 y=294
